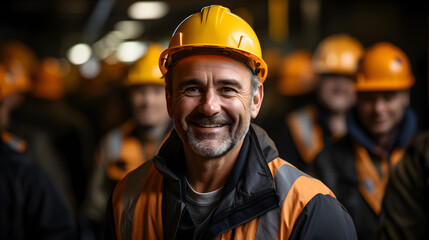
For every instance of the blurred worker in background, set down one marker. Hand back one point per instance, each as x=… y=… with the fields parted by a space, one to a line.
x=380 y=127
x=21 y=66
x=406 y=215
x=46 y=117
x=217 y=175
x=31 y=207
x=303 y=133
x=137 y=140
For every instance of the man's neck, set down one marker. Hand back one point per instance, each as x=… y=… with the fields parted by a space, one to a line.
x=384 y=141
x=209 y=174
x=337 y=124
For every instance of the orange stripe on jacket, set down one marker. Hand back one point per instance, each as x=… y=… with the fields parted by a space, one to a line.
x=147 y=224
x=301 y=192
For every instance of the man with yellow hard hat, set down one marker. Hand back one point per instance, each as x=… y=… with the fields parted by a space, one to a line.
x=128 y=146
x=218 y=176
x=380 y=127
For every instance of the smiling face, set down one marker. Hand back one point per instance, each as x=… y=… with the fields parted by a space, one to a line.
x=211 y=103
x=148 y=104
x=336 y=93
x=380 y=112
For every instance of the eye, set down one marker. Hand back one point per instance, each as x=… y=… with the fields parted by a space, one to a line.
x=228 y=90
x=192 y=91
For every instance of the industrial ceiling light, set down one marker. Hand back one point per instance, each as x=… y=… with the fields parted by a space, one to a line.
x=148 y=10
x=79 y=53
x=130 y=51
x=130 y=29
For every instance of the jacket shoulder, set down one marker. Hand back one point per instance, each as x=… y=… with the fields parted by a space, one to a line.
x=299 y=193
x=324 y=218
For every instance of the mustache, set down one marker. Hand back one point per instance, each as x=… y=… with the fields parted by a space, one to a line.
x=214 y=119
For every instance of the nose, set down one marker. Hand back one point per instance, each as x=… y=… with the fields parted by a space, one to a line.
x=210 y=103
x=378 y=105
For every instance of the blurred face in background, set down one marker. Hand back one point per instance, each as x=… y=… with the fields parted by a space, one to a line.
x=336 y=93
x=148 y=104
x=380 y=112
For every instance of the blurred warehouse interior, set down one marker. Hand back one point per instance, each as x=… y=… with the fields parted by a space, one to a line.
x=90 y=34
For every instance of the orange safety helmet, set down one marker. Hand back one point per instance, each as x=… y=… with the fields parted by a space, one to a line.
x=296 y=74
x=20 y=61
x=17 y=51
x=215 y=31
x=49 y=80
x=146 y=70
x=384 y=67
x=338 y=54
x=6 y=84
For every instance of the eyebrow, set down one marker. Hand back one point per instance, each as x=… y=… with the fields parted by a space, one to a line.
x=192 y=81
x=229 y=82
x=195 y=81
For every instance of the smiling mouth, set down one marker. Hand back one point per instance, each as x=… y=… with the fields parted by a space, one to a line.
x=209 y=125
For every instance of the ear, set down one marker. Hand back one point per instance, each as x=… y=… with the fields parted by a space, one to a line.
x=169 y=101
x=257 y=101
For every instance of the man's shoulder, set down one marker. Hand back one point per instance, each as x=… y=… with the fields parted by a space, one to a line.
x=305 y=201
x=288 y=178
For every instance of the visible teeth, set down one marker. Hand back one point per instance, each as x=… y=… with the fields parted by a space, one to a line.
x=209 y=125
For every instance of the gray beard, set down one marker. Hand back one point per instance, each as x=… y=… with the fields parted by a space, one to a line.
x=228 y=142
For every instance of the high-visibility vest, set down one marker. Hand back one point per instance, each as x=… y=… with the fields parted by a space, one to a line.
x=124 y=153
x=306 y=133
x=137 y=204
x=372 y=182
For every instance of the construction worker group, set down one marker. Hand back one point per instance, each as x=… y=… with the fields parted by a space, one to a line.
x=184 y=153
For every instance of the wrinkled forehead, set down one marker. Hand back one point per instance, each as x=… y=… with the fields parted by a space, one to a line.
x=214 y=66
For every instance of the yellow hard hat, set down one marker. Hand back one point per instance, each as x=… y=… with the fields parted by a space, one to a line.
x=6 y=86
x=337 y=54
x=215 y=31
x=296 y=74
x=384 y=67
x=146 y=70
x=49 y=80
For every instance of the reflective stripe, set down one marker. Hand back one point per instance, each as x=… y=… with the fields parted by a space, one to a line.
x=307 y=127
x=132 y=191
x=14 y=142
x=269 y=223
x=306 y=133
x=114 y=142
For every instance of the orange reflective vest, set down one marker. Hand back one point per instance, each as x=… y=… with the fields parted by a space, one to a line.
x=265 y=198
x=13 y=141
x=122 y=152
x=306 y=132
